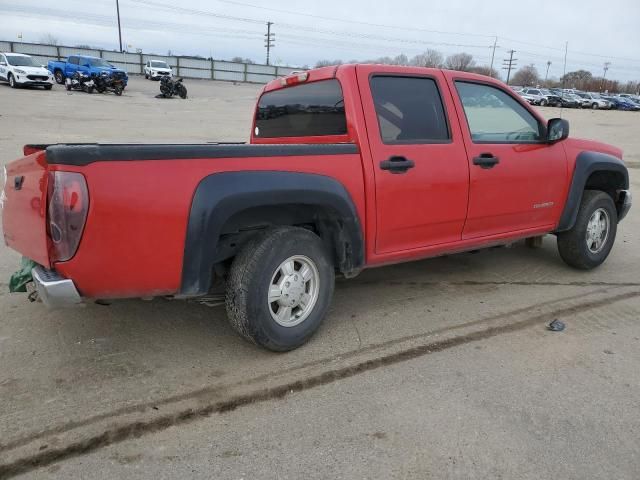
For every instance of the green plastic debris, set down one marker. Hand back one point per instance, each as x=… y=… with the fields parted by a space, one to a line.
x=18 y=281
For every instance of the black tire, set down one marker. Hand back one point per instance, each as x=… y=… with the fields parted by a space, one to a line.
x=117 y=91
x=572 y=244
x=594 y=106
x=146 y=77
x=182 y=91
x=250 y=278
x=67 y=86
x=543 y=103
x=58 y=75
x=48 y=87
x=12 y=81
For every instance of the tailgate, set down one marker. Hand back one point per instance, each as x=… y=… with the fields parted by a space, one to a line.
x=24 y=202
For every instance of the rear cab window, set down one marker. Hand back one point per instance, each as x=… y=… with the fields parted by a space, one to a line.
x=409 y=110
x=313 y=109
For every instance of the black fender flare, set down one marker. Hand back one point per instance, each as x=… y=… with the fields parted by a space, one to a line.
x=221 y=195
x=588 y=163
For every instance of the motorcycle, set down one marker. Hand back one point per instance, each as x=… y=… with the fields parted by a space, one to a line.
x=106 y=82
x=170 y=87
x=79 y=81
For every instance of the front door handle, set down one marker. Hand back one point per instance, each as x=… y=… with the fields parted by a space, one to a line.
x=397 y=164
x=486 y=160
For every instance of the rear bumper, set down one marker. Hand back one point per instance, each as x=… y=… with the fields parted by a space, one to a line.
x=54 y=290
x=625 y=198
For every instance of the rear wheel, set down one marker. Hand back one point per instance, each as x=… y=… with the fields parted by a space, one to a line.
x=279 y=288
x=594 y=106
x=543 y=102
x=590 y=240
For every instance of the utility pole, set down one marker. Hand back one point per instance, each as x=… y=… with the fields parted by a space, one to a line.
x=509 y=64
x=269 y=40
x=119 y=28
x=493 y=54
x=604 y=75
x=546 y=75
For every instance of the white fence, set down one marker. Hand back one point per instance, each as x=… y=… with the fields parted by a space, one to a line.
x=133 y=63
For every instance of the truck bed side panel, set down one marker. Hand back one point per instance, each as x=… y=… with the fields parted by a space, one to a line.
x=133 y=243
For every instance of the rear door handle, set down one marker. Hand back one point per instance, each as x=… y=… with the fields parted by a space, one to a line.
x=397 y=164
x=486 y=160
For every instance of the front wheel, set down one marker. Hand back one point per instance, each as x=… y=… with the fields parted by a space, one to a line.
x=594 y=106
x=280 y=287
x=182 y=91
x=543 y=103
x=12 y=81
x=589 y=242
x=48 y=87
x=117 y=91
x=59 y=77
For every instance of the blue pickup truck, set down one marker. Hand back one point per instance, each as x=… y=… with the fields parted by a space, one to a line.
x=85 y=64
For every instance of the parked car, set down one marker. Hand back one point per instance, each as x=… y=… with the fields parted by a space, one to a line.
x=536 y=93
x=553 y=100
x=594 y=101
x=332 y=181
x=570 y=101
x=91 y=66
x=528 y=98
x=619 y=103
x=21 y=70
x=584 y=102
x=156 y=69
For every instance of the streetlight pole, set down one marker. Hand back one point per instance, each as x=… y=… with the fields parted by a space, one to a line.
x=119 y=28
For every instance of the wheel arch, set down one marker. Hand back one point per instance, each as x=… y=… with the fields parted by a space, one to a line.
x=593 y=171
x=230 y=208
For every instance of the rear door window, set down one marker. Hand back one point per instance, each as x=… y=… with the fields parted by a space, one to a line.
x=306 y=110
x=73 y=60
x=409 y=110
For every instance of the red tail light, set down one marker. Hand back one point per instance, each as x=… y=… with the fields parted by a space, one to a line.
x=68 y=208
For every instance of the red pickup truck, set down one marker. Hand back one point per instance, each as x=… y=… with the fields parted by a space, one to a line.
x=348 y=167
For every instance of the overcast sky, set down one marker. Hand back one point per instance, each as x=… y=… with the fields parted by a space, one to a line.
x=307 y=31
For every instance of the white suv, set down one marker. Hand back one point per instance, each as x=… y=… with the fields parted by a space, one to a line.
x=156 y=69
x=22 y=70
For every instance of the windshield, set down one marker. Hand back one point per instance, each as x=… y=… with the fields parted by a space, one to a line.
x=20 y=61
x=98 y=62
x=159 y=64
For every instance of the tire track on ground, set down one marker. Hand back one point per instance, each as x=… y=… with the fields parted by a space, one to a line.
x=136 y=429
x=212 y=390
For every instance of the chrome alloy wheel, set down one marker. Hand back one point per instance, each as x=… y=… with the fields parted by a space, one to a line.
x=293 y=290
x=597 y=230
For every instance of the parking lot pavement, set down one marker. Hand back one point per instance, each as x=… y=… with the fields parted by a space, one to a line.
x=430 y=369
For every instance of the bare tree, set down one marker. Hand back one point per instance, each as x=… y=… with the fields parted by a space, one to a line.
x=430 y=58
x=460 y=61
x=327 y=63
x=49 y=39
x=485 y=70
x=526 y=76
x=401 y=59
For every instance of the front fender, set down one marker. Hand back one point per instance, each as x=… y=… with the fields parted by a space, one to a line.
x=220 y=196
x=588 y=163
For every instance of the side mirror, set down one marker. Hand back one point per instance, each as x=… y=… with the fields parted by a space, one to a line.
x=4 y=64
x=557 y=130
